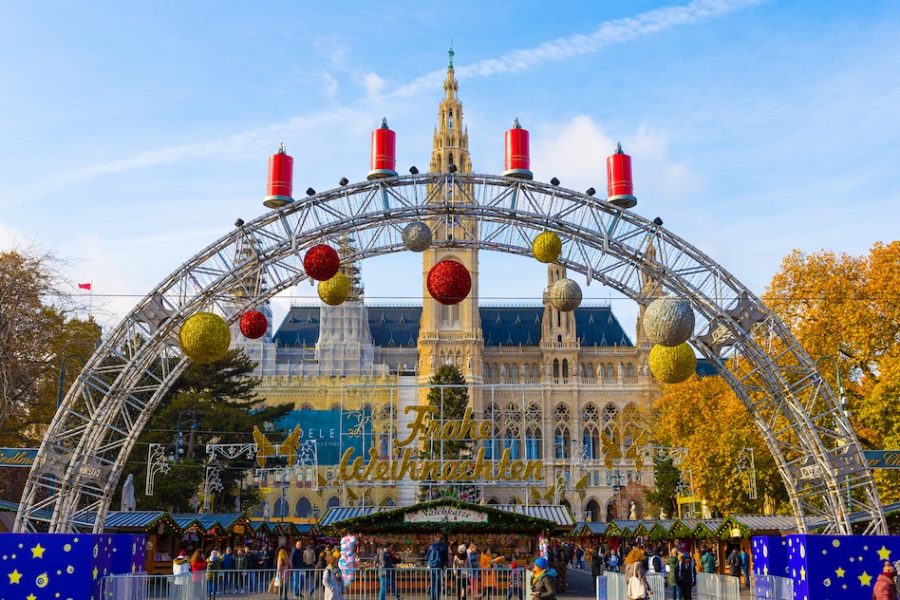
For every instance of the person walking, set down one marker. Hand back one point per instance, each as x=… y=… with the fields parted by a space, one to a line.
x=515 y=581
x=474 y=571
x=636 y=582
x=734 y=563
x=744 y=560
x=198 y=565
x=707 y=561
x=543 y=582
x=386 y=562
x=213 y=568
x=181 y=570
x=461 y=568
x=671 y=566
x=685 y=576
x=228 y=570
x=297 y=569
x=280 y=582
x=436 y=557
x=597 y=566
x=311 y=578
x=332 y=581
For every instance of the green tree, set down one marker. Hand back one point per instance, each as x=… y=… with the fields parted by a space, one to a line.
x=208 y=404
x=666 y=478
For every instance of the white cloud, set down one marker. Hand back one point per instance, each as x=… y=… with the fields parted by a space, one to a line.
x=329 y=85
x=615 y=31
x=373 y=84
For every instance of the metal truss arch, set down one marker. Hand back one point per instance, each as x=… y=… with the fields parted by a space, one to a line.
x=82 y=456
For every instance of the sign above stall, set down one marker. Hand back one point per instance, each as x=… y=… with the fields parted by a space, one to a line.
x=428 y=431
x=445 y=514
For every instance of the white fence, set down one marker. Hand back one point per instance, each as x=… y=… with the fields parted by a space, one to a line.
x=395 y=584
x=612 y=586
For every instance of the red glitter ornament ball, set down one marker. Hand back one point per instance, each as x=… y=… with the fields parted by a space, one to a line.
x=449 y=282
x=253 y=324
x=321 y=262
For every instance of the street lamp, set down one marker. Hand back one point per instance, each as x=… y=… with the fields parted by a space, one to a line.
x=62 y=375
x=178 y=437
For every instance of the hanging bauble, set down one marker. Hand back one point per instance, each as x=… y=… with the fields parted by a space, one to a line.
x=204 y=337
x=546 y=247
x=334 y=291
x=672 y=364
x=565 y=295
x=253 y=324
x=321 y=262
x=417 y=236
x=449 y=282
x=668 y=321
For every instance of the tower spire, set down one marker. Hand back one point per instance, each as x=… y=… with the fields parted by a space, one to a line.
x=451 y=140
x=450 y=66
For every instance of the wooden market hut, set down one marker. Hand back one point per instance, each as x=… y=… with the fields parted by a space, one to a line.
x=218 y=530
x=163 y=535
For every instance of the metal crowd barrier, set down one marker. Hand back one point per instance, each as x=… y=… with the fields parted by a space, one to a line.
x=498 y=583
x=711 y=586
x=770 y=587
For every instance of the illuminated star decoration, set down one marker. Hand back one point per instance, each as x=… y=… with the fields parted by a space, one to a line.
x=865 y=579
x=14 y=577
x=94 y=573
x=884 y=553
x=839 y=572
x=30 y=597
x=37 y=551
x=802 y=574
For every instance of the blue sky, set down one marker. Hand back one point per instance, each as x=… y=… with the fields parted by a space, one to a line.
x=135 y=133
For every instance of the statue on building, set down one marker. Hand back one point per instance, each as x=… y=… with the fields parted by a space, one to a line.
x=632 y=511
x=469 y=361
x=265 y=510
x=237 y=504
x=128 y=501
x=621 y=371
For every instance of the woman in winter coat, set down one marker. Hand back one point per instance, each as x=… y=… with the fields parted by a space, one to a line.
x=543 y=582
x=461 y=568
x=213 y=566
x=198 y=565
x=885 y=589
x=332 y=580
x=282 y=566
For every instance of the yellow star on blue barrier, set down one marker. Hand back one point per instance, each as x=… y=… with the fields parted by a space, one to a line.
x=839 y=572
x=14 y=577
x=884 y=553
x=30 y=597
x=95 y=573
x=38 y=551
x=864 y=579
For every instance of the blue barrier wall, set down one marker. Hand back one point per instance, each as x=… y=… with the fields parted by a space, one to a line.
x=65 y=566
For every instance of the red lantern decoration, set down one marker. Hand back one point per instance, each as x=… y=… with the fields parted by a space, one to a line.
x=321 y=262
x=449 y=282
x=254 y=324
x=517 y=161
x=619 y=185
x=281 y=179
x=384 y=152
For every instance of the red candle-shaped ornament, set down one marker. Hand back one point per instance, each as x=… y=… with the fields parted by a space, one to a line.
x=384 y=152
x=281 y=180
x=619 y=185
x=518 y=159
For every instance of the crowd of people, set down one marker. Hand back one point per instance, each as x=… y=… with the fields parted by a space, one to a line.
x=468 y=573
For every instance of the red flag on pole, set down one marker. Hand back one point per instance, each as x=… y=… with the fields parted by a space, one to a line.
x=84 y=286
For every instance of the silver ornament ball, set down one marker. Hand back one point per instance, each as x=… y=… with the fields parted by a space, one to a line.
x=565 y=295
x=669 y=321
x=417 y=236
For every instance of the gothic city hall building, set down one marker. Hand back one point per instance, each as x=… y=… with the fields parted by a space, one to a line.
x=566 y=394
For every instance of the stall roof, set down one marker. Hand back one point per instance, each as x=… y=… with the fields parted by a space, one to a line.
x=555 y=513
x=206 y=522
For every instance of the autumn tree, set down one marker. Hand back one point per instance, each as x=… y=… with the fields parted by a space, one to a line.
x=705 y=416
x=845 y=311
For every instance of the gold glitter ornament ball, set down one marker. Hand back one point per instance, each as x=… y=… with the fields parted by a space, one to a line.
x=334 y=291
x=204 y=337
x=546 y=247
x=672 y=364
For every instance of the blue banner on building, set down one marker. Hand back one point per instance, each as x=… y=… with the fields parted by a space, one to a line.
x=883 y=459
x=334 y=431
x=17 y=457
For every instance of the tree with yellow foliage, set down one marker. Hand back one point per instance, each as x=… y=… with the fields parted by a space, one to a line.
x=705 y=416
x=845 y=311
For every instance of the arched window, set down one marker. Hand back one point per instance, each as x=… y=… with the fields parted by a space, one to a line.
x=535 y=372
x=533 y=443
x=303 y=508
x=495 y=371
x=591 y=441
x=555 y=370
x=493 y=502
x=281 y=509
x=629 y=370
x=589 y=371
x=333 y=502
x=565 y=369
x=514 y=373
x=610 y=371
x=592 y=511
x=388 y=502
x=561 y=442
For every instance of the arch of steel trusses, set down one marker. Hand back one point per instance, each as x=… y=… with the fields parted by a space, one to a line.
x=83 y=454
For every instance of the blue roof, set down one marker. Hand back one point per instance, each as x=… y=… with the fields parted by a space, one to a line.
x=398 y=326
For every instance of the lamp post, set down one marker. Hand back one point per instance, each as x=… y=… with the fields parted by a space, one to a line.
x=842 y=398
x=60 y=382
x=178 y=437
